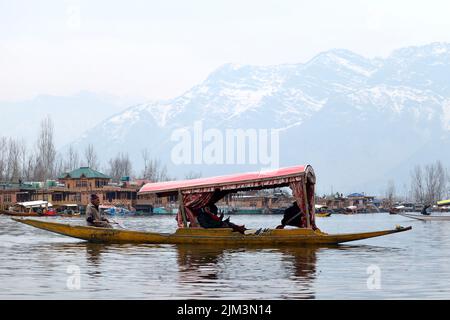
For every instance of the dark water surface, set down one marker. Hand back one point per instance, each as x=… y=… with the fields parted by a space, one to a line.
x=36 y=264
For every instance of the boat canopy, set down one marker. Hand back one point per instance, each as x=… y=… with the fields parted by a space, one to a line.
x=198 y=193
x=35 y=204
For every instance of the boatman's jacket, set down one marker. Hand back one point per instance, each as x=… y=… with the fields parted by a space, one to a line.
x=92 y=214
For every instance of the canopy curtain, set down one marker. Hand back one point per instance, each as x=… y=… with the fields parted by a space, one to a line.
x=192 y=202
x=304 y=196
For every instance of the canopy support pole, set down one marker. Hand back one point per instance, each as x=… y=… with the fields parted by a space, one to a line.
x=305 y=197
x=183 y=212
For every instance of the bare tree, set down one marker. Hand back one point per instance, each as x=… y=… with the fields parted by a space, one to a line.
x=3 y=157
x=435 y=180
x=390 y=193
x=417 y=184
x=72 y=160
x=447 y=191
x=13 y=166
x=153 y=170
x=120 y=166
x=29 y=168
x=193 y=175
x=429 y=185
x=91 y=158
x=59 y=165
x=46 y=154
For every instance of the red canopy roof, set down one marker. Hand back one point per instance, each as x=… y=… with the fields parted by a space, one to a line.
x=262 y=179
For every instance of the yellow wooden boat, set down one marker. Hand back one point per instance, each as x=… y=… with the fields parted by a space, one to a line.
x=204 y=236
x=194 y=195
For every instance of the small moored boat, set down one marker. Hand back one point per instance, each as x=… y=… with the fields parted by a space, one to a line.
x=30 y=209
x=425 y=218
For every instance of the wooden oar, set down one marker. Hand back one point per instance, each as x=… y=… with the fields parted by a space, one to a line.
x=115 y=222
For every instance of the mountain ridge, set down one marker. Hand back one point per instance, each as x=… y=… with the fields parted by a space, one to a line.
x=336 y=94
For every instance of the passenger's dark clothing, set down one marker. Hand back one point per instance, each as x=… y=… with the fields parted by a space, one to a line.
x=424 y=210
x=291 y=216
x=208 y=220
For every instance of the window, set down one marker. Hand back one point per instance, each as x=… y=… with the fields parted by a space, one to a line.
x=81 y=184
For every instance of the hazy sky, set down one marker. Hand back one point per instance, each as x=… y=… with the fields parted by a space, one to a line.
x=159 y=49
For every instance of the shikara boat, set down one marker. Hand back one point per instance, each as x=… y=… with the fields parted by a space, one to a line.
x=195 y=194
x=19 y=214
x=68 y=210
x=30 y=209
x=396 y=210
x=424 y=217
x=204 y=236
x=322 y=211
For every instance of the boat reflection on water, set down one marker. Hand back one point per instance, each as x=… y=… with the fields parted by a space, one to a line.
x=198 y=272
x=249 y=270
x=93 y=256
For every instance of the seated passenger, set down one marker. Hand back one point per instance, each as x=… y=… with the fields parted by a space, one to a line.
x=209 y=217
x=291 y=216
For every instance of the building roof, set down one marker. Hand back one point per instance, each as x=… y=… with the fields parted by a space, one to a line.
x=355 y=195
x=84 y=172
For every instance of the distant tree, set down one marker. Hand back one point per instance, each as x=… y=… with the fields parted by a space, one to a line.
x=59 y=165
x=193 y=175
x=14 y=161
x=447 y=192
x=29 y=168
x=3 y=157
x=435 y=182
x=90 y=157
x=430 y=184
x=46 y=153
x=120 y=166
x=153 y=170
x=390 y=193
x=417 y=184
x=72 y=160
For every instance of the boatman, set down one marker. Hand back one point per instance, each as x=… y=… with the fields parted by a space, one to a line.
x=93 y=216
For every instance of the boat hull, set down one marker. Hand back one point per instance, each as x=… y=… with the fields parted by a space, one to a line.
x=425 y=218
x=34 y=214
x=323 y=215
x=204 y=236
x=20 y=214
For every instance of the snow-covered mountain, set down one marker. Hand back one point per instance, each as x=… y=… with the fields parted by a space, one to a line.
x=358 y=121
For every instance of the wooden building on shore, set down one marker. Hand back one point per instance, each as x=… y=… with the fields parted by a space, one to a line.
x=73 y=187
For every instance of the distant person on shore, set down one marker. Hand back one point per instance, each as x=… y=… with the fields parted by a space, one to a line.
x=424 y=210
x=93 y=216
x=291 y=217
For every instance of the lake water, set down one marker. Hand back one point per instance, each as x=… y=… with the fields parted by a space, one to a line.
x=36 y=264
